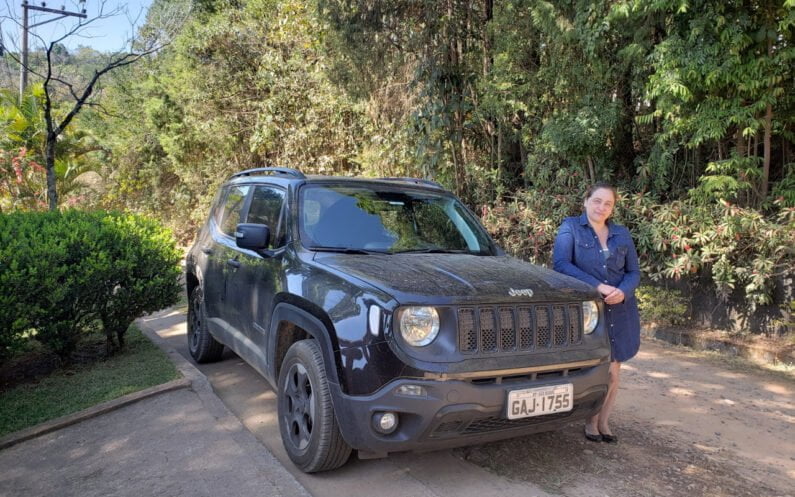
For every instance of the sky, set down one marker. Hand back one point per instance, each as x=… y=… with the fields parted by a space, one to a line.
x=105 y=35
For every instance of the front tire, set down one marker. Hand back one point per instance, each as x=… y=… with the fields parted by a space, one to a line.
x=202 y=346
x=307 y=422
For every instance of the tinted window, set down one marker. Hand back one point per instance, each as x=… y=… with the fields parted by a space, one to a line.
x=229 y=216
x=266 y=208
x=383 y=219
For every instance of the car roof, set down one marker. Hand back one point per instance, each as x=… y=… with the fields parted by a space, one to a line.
x=283 y=176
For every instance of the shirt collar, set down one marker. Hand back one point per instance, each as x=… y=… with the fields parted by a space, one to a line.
x=610 y=227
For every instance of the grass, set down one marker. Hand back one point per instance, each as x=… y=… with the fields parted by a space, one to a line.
x=141 y=365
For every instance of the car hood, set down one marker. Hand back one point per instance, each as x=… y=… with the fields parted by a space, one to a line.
x=458 y=278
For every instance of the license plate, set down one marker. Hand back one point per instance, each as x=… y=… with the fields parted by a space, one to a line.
x=539 y=401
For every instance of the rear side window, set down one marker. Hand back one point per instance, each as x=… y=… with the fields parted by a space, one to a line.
x=266 y=208
x=229 y=215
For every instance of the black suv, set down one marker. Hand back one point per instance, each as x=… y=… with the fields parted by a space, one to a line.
x=386 y=318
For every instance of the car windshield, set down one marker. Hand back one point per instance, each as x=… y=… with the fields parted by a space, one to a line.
x=365 y=219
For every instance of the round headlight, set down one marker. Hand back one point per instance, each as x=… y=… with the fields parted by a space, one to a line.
x=590 y=316
x=419 y=325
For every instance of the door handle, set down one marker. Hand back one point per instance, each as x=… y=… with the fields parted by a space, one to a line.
x=207 y=250
x=234 y=263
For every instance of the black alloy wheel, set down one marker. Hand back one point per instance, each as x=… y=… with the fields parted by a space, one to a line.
x=307 y=422
x=201 y=344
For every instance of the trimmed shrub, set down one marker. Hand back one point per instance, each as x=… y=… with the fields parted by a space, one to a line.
x=65 y=273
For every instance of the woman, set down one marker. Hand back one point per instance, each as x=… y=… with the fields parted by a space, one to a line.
x=601 y=253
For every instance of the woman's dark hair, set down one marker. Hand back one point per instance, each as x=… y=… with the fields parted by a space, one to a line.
x=600 y=184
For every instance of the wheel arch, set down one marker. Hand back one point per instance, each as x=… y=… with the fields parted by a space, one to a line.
x=296 y=319
x=191 y=282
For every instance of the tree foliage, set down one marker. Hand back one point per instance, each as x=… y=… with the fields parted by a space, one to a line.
x=516 y=105
x=243 y=86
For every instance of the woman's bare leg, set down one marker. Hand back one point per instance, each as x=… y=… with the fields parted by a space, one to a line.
x=601 y=419
x=592 y=425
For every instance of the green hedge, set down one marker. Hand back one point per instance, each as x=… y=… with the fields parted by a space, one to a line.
x=66 y=273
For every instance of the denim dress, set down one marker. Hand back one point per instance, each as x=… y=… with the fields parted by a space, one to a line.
x=577 y=253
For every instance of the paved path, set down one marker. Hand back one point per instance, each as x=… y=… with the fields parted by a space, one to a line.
x=179 y=443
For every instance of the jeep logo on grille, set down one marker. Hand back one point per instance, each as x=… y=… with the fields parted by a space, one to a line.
x=520 y=292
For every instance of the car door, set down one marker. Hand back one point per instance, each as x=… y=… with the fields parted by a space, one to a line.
x=224 y=256
x=253 y=285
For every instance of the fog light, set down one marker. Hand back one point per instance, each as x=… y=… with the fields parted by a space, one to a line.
x=385 y=422
x=412 y=390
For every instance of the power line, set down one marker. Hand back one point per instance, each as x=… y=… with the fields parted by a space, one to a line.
x=23 y=69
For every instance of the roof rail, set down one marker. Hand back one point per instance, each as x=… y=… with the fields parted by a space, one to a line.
x=287 y=171
x=417 y=181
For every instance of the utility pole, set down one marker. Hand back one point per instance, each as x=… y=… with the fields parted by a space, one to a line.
x=23 y=68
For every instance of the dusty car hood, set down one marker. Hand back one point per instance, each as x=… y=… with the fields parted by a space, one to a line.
x=454 y=278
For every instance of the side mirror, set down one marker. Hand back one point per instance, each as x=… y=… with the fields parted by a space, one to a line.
x=252 y=236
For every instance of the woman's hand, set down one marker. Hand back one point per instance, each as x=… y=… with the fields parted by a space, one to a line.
x=615 y=297
x=611 y=294
x=605 y=289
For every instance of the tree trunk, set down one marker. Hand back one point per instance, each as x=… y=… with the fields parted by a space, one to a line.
x=49 y=152
x=488 y=15
x=591 y=172
x=492 y=123
x=766 y=145
x=739 y=140
x=498 y=162
x=767 y=152
x=625 y=146
x=455 y=90
x=523 y=162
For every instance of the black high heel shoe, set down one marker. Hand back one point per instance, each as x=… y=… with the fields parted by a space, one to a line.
x=611 y=439
x=591 y=437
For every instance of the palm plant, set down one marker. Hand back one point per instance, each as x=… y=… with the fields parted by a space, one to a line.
x=22 y=153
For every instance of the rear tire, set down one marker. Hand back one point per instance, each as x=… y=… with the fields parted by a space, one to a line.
x=202 y=346
x=307 y=422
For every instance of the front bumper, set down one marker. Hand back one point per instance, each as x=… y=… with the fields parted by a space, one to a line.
x=456 y=412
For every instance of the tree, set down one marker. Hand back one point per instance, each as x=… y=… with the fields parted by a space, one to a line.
x=75 y=93
x=240 y=87
x=722 y=79
x=441 y=48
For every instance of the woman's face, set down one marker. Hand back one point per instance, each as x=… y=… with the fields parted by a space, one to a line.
x=599 y=206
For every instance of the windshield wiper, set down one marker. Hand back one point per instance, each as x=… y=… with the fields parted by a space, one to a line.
x=347 y=250
x=433 y=251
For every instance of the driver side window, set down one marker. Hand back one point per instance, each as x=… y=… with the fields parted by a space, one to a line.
x=229 y=215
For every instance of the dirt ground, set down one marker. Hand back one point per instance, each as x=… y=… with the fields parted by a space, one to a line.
x=689 y=425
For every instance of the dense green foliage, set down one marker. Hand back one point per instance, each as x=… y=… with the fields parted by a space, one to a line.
x=65 y=273
x=661 y=306
x=738 y=247
x=688 y=105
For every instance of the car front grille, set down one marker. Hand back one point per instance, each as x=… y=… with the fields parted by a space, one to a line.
x=484 y=330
